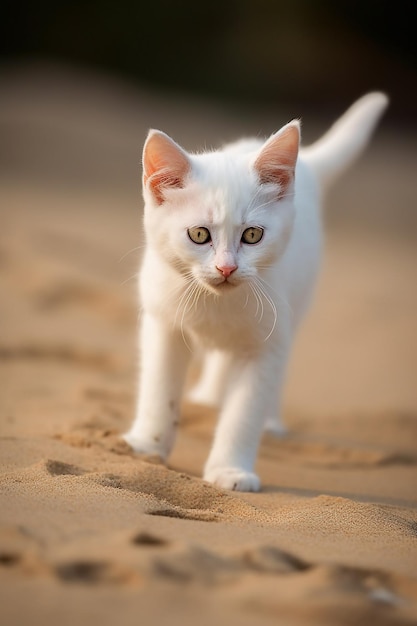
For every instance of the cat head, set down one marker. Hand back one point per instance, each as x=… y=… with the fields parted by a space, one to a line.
x=220 y=217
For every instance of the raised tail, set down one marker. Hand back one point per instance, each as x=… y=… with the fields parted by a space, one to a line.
x=337 y=149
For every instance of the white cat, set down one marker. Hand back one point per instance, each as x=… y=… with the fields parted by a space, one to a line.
x=233 y=241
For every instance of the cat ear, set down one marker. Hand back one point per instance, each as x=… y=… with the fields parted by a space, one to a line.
x=165 y=164
x=276 y=161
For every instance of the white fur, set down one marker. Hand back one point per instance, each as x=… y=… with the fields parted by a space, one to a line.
x=245 y=328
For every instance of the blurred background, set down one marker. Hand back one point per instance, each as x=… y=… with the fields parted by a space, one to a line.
x=317 y=53
x=82 y=82
x=74 y=75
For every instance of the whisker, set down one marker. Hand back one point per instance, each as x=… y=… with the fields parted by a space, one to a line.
x=193 y=291
x=256 y=295
x=271 y=304
x=261 y=304
x=130 y=252
x=262 y=294
x=139 y=315
x=246 y=300
x=279 y=296
x=188 y=278
x=183 y=300
x=184 y=296
x=135 y=275
x=195 y=296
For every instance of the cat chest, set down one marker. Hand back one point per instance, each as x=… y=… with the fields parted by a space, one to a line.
x=238 y=320
x=223 y=325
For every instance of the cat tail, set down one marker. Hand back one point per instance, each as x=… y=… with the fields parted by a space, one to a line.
x=339 y=147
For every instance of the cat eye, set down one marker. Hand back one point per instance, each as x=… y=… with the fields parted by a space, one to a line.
x=253 y=234
x=199 y=234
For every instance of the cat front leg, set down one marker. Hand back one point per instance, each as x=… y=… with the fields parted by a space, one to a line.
x=164 y=359
x=252 y=393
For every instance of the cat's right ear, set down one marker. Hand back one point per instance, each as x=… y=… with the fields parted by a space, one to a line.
x=165 y=164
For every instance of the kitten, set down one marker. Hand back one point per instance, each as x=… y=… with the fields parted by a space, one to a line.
x=233 y=241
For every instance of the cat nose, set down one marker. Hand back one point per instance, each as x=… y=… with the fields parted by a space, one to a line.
x=226 y=270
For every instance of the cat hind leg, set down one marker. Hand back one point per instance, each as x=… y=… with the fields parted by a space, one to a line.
x=274 y=426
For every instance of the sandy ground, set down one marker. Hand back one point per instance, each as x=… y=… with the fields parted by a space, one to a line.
x=90 y=534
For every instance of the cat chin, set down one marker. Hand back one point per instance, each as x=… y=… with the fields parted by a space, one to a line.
x=221 y=288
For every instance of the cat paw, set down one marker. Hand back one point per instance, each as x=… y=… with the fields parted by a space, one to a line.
x=148 y=450
x=232 y=478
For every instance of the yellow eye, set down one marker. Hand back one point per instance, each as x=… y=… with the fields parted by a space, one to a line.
x=199 y=234
x=253 y=234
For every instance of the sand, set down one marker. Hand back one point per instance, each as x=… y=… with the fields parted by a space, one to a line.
x=89 y=534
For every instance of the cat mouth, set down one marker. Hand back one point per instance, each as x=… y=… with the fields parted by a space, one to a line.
x=217 y=285
x=223 y=285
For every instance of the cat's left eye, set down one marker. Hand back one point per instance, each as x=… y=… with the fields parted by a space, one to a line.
x=253 y=234
x=199 y=234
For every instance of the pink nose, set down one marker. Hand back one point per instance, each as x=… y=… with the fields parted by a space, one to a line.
x=226 y=270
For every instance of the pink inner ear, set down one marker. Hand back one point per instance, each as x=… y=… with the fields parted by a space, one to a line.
x=276 y=161
x=165 y=164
